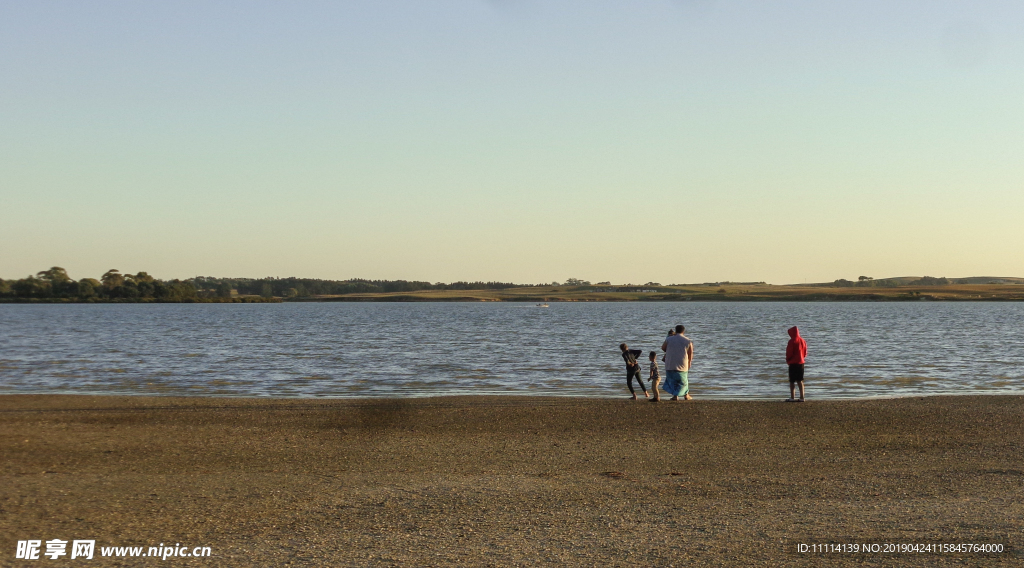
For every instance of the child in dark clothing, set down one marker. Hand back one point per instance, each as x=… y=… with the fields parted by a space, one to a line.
x=655 y=376
x=633 y=369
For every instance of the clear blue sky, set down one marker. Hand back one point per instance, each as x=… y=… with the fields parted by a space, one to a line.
x=527 y=141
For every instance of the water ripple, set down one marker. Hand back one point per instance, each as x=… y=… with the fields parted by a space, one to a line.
x=388 y=349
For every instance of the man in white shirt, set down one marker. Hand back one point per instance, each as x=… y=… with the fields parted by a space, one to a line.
x=678 y=354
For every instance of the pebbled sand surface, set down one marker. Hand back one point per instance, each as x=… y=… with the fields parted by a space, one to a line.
x=507 y=481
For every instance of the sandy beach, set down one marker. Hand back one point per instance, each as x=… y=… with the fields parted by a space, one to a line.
x=506 y=481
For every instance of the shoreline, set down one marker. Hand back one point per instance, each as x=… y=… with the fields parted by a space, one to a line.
x=508 y=481
x=582 y=398
x=823 y=298
x=763 y=293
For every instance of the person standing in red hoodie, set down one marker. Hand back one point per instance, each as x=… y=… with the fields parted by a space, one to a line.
x=796 y=353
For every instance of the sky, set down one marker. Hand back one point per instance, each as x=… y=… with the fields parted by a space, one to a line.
x=526 y=141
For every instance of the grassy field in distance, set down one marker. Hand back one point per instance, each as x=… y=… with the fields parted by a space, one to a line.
x=700 y=292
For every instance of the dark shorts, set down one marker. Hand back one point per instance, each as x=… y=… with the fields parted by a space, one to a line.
x=796 y=373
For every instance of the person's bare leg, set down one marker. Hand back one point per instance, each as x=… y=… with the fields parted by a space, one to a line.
x=801 y=391
x=657 y=393
x=792 y=391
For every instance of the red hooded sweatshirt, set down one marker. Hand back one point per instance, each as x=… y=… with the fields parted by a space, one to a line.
x=796 y=351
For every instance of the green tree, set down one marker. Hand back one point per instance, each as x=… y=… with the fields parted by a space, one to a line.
x=144 y=283
x=139 y=278
x=930 y=281
x=146 y=289
x=31 y=287
x=58 y=281
x=52 y=283
x=223 y=290
x=54 y=274
x=128 y=290
x=88 y=288
x=176 y=291
x=112 y=279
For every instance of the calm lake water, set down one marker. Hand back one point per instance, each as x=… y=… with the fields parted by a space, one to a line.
x=571 y=349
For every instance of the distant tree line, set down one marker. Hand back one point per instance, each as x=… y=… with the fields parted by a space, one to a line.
x=869 y=282
x=302 y=287
x=55 y=284
x=113 y=286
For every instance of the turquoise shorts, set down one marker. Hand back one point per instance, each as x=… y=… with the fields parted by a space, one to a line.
x=677 y=383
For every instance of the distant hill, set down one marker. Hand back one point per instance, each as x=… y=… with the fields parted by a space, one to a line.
x=897 y=281
x=987 y=280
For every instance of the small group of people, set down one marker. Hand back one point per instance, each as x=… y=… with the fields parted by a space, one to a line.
x=678 y=351
x=678 y=356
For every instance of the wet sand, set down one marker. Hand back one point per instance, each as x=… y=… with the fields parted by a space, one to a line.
x=506 y=481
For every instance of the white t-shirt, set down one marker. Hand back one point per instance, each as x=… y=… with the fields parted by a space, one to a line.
x=675 y=352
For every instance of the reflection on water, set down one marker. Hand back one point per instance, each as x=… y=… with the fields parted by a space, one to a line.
x=388 y=349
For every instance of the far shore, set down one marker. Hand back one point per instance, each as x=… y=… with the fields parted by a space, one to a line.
x=699 y=293
x=514 y=481
x=725 y=292
x=696 y=293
